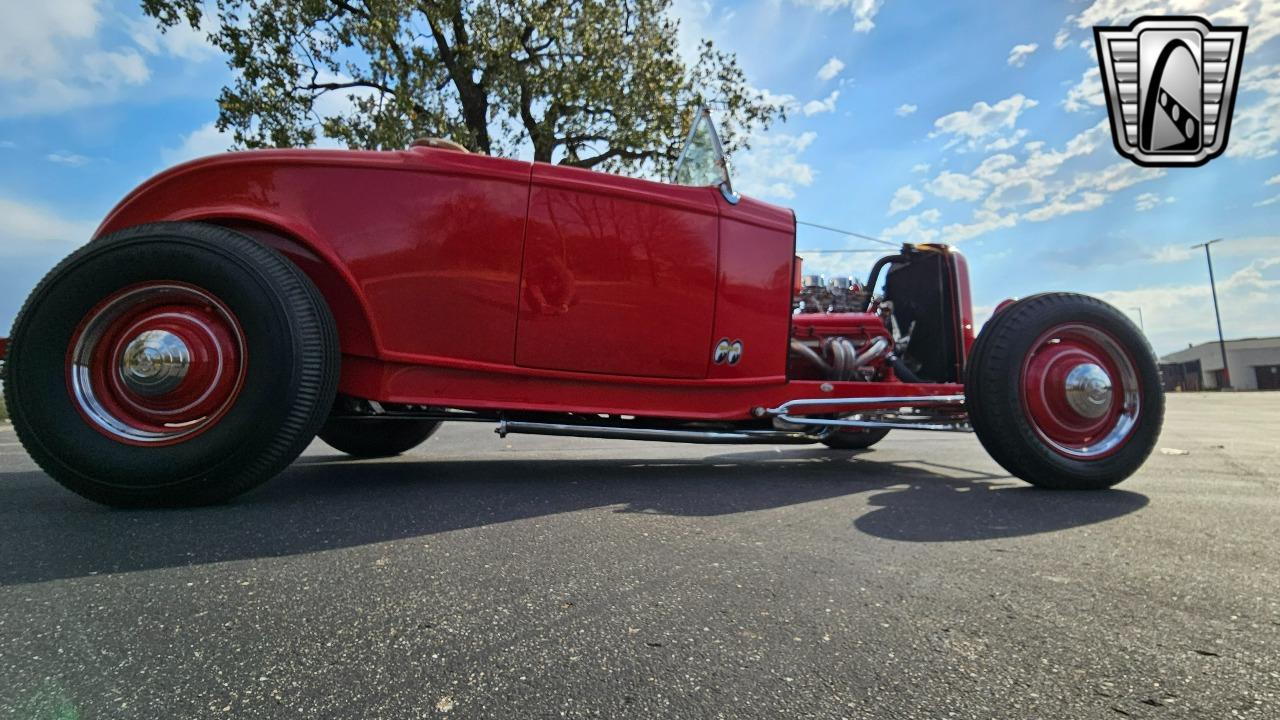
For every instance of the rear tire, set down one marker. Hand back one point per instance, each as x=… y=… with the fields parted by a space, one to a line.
x=375 y=438
x=855 y=439
x=1063 y=391
x=268 y=364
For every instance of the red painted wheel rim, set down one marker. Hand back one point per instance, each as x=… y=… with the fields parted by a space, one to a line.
x=156 y=363
x=1080 y=391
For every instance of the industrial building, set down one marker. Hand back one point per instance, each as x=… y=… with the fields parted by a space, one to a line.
x=1252 y=364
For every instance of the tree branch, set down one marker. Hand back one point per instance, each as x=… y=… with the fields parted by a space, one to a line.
x=619 y=153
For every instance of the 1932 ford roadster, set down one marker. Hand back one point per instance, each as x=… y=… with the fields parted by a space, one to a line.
x=231 y=308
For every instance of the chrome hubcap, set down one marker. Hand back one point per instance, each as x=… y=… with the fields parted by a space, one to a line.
x=154 y=362
x=1088 y=389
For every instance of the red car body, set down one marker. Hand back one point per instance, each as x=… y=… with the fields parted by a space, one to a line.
x=465 y=281
x=176 y=359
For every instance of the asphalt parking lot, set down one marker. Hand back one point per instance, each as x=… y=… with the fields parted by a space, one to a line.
x=548 y=577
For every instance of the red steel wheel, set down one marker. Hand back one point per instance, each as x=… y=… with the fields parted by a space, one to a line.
x=1064 y=392
x=1081 y=391
x=157 y=363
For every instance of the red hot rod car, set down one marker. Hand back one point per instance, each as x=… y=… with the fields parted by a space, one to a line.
x=230 y=309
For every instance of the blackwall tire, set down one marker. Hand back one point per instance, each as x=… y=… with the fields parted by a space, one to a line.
x=261 y=377
x=1063 y=391
x=373 y=438
x=855 y=439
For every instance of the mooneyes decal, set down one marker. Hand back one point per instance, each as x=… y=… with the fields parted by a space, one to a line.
x=727 y=351
x=721 y=353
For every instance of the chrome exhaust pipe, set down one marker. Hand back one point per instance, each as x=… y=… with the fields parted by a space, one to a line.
x=712 y=437
x=884 y=412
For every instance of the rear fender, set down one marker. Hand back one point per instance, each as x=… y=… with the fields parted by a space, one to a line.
x=355 y=333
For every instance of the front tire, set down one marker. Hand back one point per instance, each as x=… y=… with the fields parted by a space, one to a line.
x=374 y=438
x=170 y=364
x=1063 y=391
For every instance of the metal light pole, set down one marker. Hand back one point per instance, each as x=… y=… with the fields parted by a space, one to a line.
x=1222 y=344
x=1141 y=325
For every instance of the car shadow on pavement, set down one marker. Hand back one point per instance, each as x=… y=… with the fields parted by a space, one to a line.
x=326 y=502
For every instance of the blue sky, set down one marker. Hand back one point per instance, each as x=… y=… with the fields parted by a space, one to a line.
x=977 y=123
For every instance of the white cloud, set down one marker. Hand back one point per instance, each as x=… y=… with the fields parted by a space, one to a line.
x=1045 y=184
x=1171 y=254
x=695 y=24
x=920 y=168
x=1016 y=193
x=1273 y=180
x=110 y=68
x=1019 y=54
x=772 y=168
x=1004 y=143
x=1113 y=178
x=982 y=120
x=991 y=169
x=28 y=230
x=864 y=11
x=830 y=69
x=180 y=41
x=204 y=140
x=1061 y=39
x=1259 y=15
x=1245 y=247
x=52 y=59
x=827 y=104
x=788 y=102
x=1150 y=201
x=1086 y=93
x=1065 y=206
x=954 y=186
x=984 y=221
x=915 y=228
x=1054 y=196
x=1255 y=129
x=35 y=39
x=1004 y=171
x=1176 y=314
x=905 y=109
x=66 y=158
x=904 y=199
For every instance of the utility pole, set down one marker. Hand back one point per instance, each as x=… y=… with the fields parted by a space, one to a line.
x=1222 y=344
x=1141 y=325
